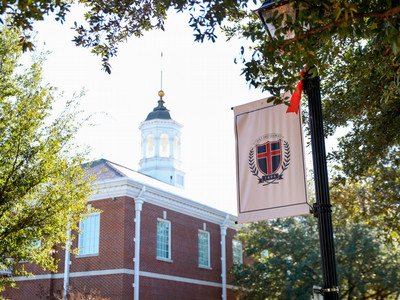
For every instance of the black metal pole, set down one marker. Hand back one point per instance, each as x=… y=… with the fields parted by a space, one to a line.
x=322 y=207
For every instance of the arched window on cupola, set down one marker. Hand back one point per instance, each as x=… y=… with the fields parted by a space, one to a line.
x=150 y=146
x=177 y=153
x=164 y=145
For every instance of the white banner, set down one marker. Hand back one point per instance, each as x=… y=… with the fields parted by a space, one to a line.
x=270 y=167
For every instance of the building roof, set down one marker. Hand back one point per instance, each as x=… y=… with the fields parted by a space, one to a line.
x=114 y=180
x=103 y=169
x=159 y=112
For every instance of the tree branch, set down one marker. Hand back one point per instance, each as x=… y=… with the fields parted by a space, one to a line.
x=14 y=168
x=30 y=220
x=379 y=15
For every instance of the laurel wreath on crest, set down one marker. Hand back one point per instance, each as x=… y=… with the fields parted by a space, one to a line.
x=253 y=168
x=286 y=160
x=285 y=164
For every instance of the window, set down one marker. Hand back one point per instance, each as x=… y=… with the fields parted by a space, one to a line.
x=150 y=146
x=264 y=255
x=204 y=248
x=90 y=234
x=6 y=268
x=179 y=180
x=237 y=252
x=164 y=145
x=163 y=239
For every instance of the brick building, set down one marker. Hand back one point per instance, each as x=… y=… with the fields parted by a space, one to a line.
x=149 y=241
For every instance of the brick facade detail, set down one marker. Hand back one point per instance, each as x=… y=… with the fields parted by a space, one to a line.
x=111 y=272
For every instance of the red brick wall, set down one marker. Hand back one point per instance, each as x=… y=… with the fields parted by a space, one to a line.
x=184 y=245
x=118 y=287
x=116 y=251
x=32 y=290
x=156 y=289
x=116 y=237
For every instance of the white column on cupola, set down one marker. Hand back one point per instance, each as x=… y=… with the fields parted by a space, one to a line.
x=157 y=146
x=171 y=146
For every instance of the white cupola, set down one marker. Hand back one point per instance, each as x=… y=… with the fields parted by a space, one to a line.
x=161 y=146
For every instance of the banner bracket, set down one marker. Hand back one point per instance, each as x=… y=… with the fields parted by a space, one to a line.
x=319 y=208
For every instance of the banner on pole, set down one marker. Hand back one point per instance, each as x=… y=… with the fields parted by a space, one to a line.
x=270 y=167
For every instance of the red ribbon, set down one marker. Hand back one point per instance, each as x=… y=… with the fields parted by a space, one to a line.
x=296 y=97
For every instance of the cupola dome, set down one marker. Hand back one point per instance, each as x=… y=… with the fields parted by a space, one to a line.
x=160 y=111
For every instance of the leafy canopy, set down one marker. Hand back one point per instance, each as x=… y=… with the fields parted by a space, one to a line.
x=286 y=261
x=356 y=48
x=111 y=22
x=373 y=201
x=43 y=189
x=322 y=29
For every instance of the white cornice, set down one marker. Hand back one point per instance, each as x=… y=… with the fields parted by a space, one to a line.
x=123 y=271
x=154 y=123
x=125 y=186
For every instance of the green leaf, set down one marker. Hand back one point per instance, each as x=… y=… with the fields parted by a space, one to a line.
x=43 y=187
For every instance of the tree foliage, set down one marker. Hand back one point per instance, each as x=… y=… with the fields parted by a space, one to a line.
x=111 y=22
x=43 y=189
x=323 y=30
x=286 y=261
x=374 y=201
x=363 y=95
x=356 y=47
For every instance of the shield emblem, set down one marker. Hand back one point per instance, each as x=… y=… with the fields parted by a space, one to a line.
x=269 y=157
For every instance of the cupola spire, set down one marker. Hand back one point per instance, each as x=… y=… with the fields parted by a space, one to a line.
x=161 y=67
x=160 y=111
x=161 y=143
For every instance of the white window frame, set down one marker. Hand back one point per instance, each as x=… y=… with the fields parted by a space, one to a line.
x=150 y=150
x=208 y=249
x=165 y=149
x=168 y=258
x=235 y=244
x=8 y=271
x=264 y=255
x=82 y=253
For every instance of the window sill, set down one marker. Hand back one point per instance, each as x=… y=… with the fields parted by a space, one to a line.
x=165 y=259
x=205 y=267
x=5 y=273
x=86 y=255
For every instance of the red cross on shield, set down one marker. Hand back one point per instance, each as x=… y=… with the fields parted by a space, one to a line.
x=269 y=156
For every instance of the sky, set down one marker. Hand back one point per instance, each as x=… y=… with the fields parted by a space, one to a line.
x=201 y=83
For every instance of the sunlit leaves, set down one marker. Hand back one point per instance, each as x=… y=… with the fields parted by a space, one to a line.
x=363 y=93
x=43 y=189
x=285 y=260
x=375 y=199
x=315 y=25
x=24 y=12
